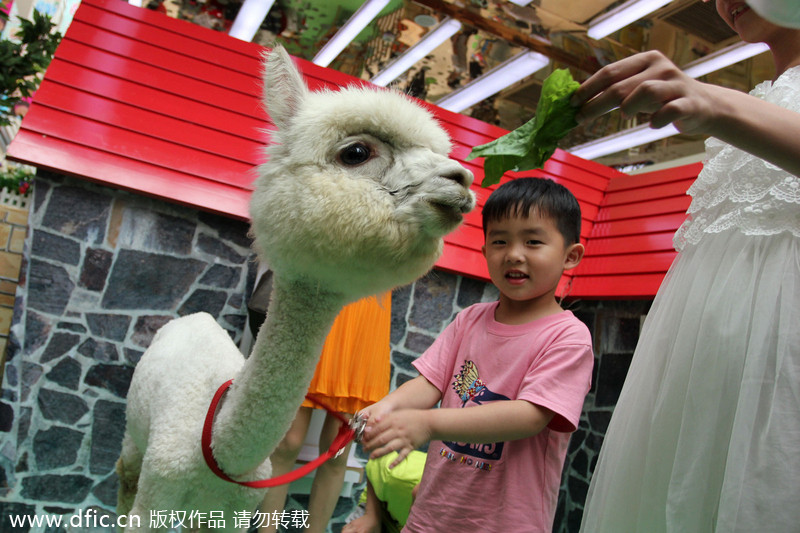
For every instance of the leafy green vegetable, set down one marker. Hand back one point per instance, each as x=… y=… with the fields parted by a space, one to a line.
x=530 y=145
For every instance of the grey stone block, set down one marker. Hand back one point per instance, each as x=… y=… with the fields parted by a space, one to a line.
x=145 y=281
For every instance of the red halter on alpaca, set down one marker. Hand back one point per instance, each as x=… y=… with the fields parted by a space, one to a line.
x=348 y=431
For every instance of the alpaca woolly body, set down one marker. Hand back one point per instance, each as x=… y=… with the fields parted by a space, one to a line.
x=354 y=200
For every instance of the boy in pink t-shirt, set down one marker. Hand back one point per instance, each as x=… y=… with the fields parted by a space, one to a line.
x=511 y=377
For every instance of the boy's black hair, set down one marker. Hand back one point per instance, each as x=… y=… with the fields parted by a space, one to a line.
x=548 y=198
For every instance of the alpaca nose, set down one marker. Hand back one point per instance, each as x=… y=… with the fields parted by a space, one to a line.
x=460 y=175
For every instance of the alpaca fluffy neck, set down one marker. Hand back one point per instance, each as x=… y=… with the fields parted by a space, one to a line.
x=263 y=400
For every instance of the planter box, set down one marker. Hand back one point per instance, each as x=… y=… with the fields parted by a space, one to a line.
x=14 y=199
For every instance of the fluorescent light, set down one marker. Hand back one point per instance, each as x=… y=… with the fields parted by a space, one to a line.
x=354 y=25
x=621 y=16
x=249 y=19
x=723 y=58
x=623 y=140
x=521 y=2
x=137 y=3
x=446 y=29
x=497 y=79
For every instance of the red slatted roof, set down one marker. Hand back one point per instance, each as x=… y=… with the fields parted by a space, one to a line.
x=140 y=101
x=630 y=248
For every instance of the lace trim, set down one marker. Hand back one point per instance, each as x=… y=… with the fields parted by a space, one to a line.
x=738 y=190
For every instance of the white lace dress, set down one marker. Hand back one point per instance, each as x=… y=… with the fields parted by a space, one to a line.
x=706 y=434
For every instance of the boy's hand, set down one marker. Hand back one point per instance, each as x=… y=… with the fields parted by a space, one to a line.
x=376 y=410
x=401 y=431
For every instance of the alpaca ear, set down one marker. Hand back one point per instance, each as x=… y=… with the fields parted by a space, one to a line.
x=284 y=88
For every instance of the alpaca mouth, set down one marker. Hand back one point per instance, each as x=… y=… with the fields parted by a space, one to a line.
x=460 y=205
x=449 y=211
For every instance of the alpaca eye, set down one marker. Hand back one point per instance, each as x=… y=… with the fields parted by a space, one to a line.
x=355 y=154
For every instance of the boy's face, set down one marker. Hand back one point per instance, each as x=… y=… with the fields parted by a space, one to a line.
x=526 y=256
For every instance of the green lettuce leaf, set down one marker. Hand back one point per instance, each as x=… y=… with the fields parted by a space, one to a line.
x=530 y=145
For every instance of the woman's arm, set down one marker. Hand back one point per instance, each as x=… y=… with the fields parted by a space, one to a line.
x=650 y=83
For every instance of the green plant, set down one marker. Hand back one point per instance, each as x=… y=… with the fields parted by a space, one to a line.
x=23 y=62
x=18 y=180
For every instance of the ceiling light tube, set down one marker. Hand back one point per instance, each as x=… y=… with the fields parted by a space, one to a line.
x=354 y=25
x=446 y=29
x=622 y=141
x=249 y=19
x=621 y=16
x=724 y=57
x=506 y=73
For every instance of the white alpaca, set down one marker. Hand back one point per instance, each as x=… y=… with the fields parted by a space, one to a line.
x=354 y=200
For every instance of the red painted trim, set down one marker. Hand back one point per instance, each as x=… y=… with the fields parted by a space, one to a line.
x=639 y=286
x=128 y=174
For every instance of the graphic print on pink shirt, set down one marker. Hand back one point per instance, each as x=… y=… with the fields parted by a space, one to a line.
x=471 y=388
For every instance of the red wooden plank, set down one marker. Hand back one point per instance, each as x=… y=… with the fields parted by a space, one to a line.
x=148 y=123
x=644 y=209
x=655 y=224
x=664 y=190
x=458 y=120
x=465 y=140
x=168 y=40
x=474 y=218
x=644 y=263
x=166 y=59
x=463 y=261
x=145 y=149
x=317 y=77
x=648 y=242
x=466 y=236
x=576 y=173
x=147 y=17
x=639 y=286
x=159 y=101
x=656 y=177
x=587 y=220
x=80 y=161
x=159 y=79
x=590 y=166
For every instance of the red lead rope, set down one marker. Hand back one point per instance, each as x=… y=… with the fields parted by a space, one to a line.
x=343 y=438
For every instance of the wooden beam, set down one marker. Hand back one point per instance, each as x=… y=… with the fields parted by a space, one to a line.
x=511 y=35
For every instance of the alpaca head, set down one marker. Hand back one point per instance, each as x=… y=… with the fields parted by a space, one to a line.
x=358 y=190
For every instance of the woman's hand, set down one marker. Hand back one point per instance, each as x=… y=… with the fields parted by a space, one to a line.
x=648 y=83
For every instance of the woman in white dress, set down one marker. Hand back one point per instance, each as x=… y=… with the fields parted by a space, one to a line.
x=706 y=434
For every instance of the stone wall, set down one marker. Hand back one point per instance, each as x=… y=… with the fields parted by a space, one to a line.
x=615 y=327
x=105 y=268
